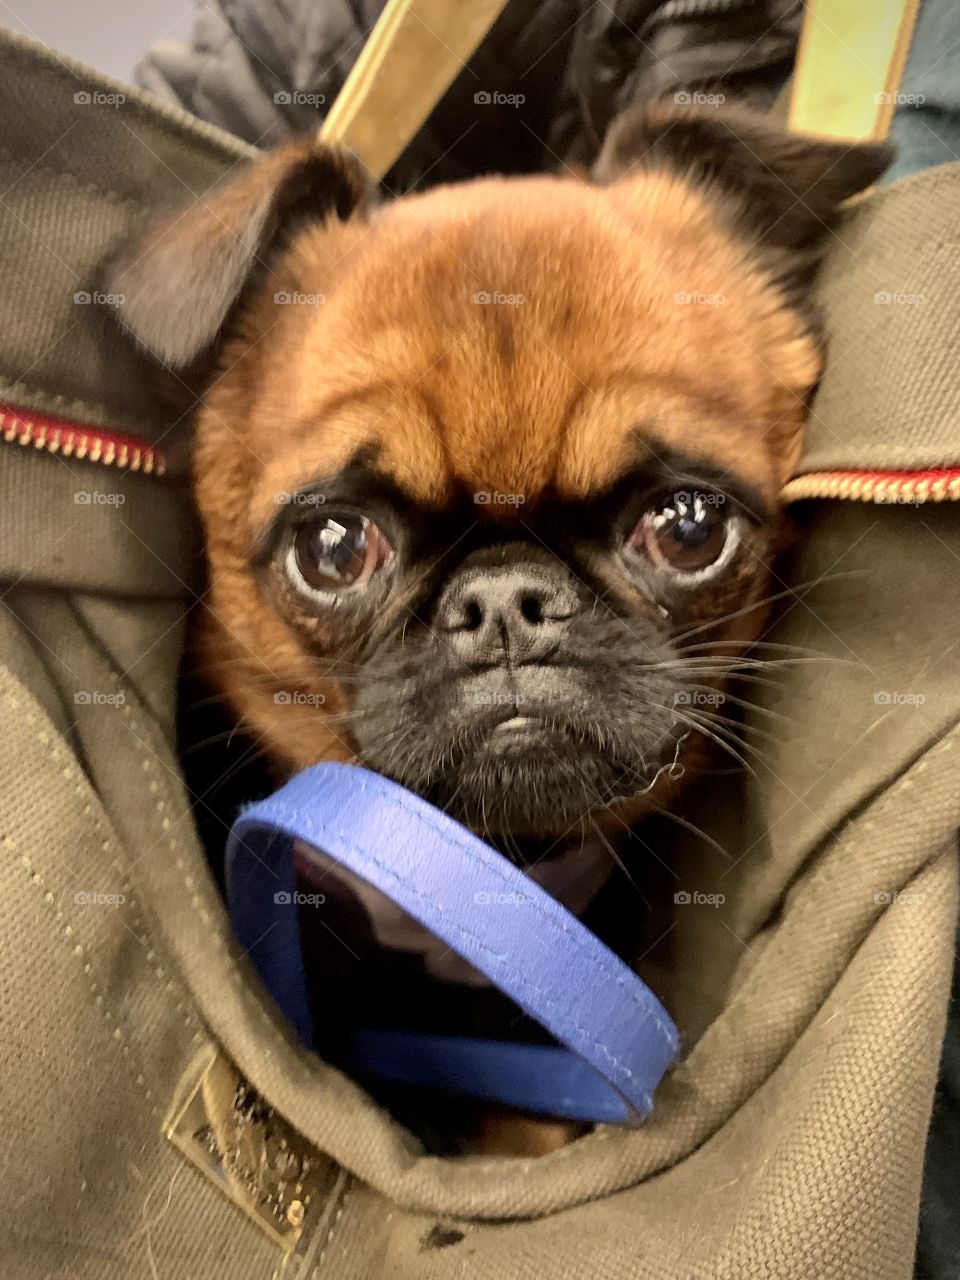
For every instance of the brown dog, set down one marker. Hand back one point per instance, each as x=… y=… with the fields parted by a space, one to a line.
x=489 y=476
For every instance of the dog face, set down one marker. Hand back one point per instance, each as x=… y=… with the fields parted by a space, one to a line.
x=489 y=475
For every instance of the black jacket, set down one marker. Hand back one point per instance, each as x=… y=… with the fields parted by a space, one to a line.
x=265 y=69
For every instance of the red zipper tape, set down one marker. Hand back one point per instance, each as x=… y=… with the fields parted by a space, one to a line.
x=73 y=440
x=111 y=448
x=893 y=487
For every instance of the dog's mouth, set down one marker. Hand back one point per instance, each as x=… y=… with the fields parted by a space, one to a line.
x=526 y=748
x=517 y=734
x=534 y=772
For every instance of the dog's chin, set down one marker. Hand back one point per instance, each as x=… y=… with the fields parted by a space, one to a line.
x=527 y=780
x=528 y=776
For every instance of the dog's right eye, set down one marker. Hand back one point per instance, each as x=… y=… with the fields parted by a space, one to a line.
x=684 y=533
x=337 y=552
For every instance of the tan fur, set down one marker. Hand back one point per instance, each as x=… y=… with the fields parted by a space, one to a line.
x=597 y=363
x=541 y=338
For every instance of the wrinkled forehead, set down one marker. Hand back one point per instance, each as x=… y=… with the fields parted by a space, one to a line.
x=519 y=343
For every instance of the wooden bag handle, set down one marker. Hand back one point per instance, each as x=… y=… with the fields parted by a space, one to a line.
x=410 y=59
x=849 y=65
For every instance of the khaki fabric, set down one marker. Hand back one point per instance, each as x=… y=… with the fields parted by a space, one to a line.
x=889 y=292
x=788 y=1143
x=403 y=71
x=79 y=171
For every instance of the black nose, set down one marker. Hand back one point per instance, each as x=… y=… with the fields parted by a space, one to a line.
x=509 y=614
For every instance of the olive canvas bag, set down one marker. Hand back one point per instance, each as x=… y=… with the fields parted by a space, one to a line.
x=159 y=1118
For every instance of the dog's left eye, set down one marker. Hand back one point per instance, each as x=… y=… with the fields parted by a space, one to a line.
x=338 y=552
x=685 y=532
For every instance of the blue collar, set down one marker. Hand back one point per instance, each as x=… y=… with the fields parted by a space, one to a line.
x=614 y=1039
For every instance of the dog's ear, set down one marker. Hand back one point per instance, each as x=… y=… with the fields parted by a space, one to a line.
x=177 y=283
x=784 y=190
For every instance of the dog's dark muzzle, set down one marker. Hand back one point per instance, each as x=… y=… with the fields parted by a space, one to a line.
x=510 y=615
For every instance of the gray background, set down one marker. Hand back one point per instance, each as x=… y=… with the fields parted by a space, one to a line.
x=107 y=34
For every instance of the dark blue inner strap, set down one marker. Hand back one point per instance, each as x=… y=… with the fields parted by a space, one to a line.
x=538 y=954
x=542 y=1078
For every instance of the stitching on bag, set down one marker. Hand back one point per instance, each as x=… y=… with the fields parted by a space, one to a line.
x=865 y=823
x=111 y=848
x=910 y=779
x=334 y=1225
x=904 y=783
x=340 y=1088
x=77 y=949
x=110 y=844
x=868 y=822
x=152 y=113
x=71 y=774
x=65 y=176
x=638 y=999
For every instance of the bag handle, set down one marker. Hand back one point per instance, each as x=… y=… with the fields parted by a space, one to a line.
x=615 y=1039
x=849 y=66
x=847 y=72
x=410 y=59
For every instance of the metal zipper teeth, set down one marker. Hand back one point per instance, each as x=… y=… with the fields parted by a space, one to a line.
x=876 y=486
x=88 y=444
x=91 y=445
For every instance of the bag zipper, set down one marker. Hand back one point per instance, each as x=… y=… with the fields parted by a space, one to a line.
x=111 y=448
x=877 y=486
x=73 y=440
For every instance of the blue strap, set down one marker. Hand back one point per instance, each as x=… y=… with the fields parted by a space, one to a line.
x=541 y=1078
x=538 y=954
